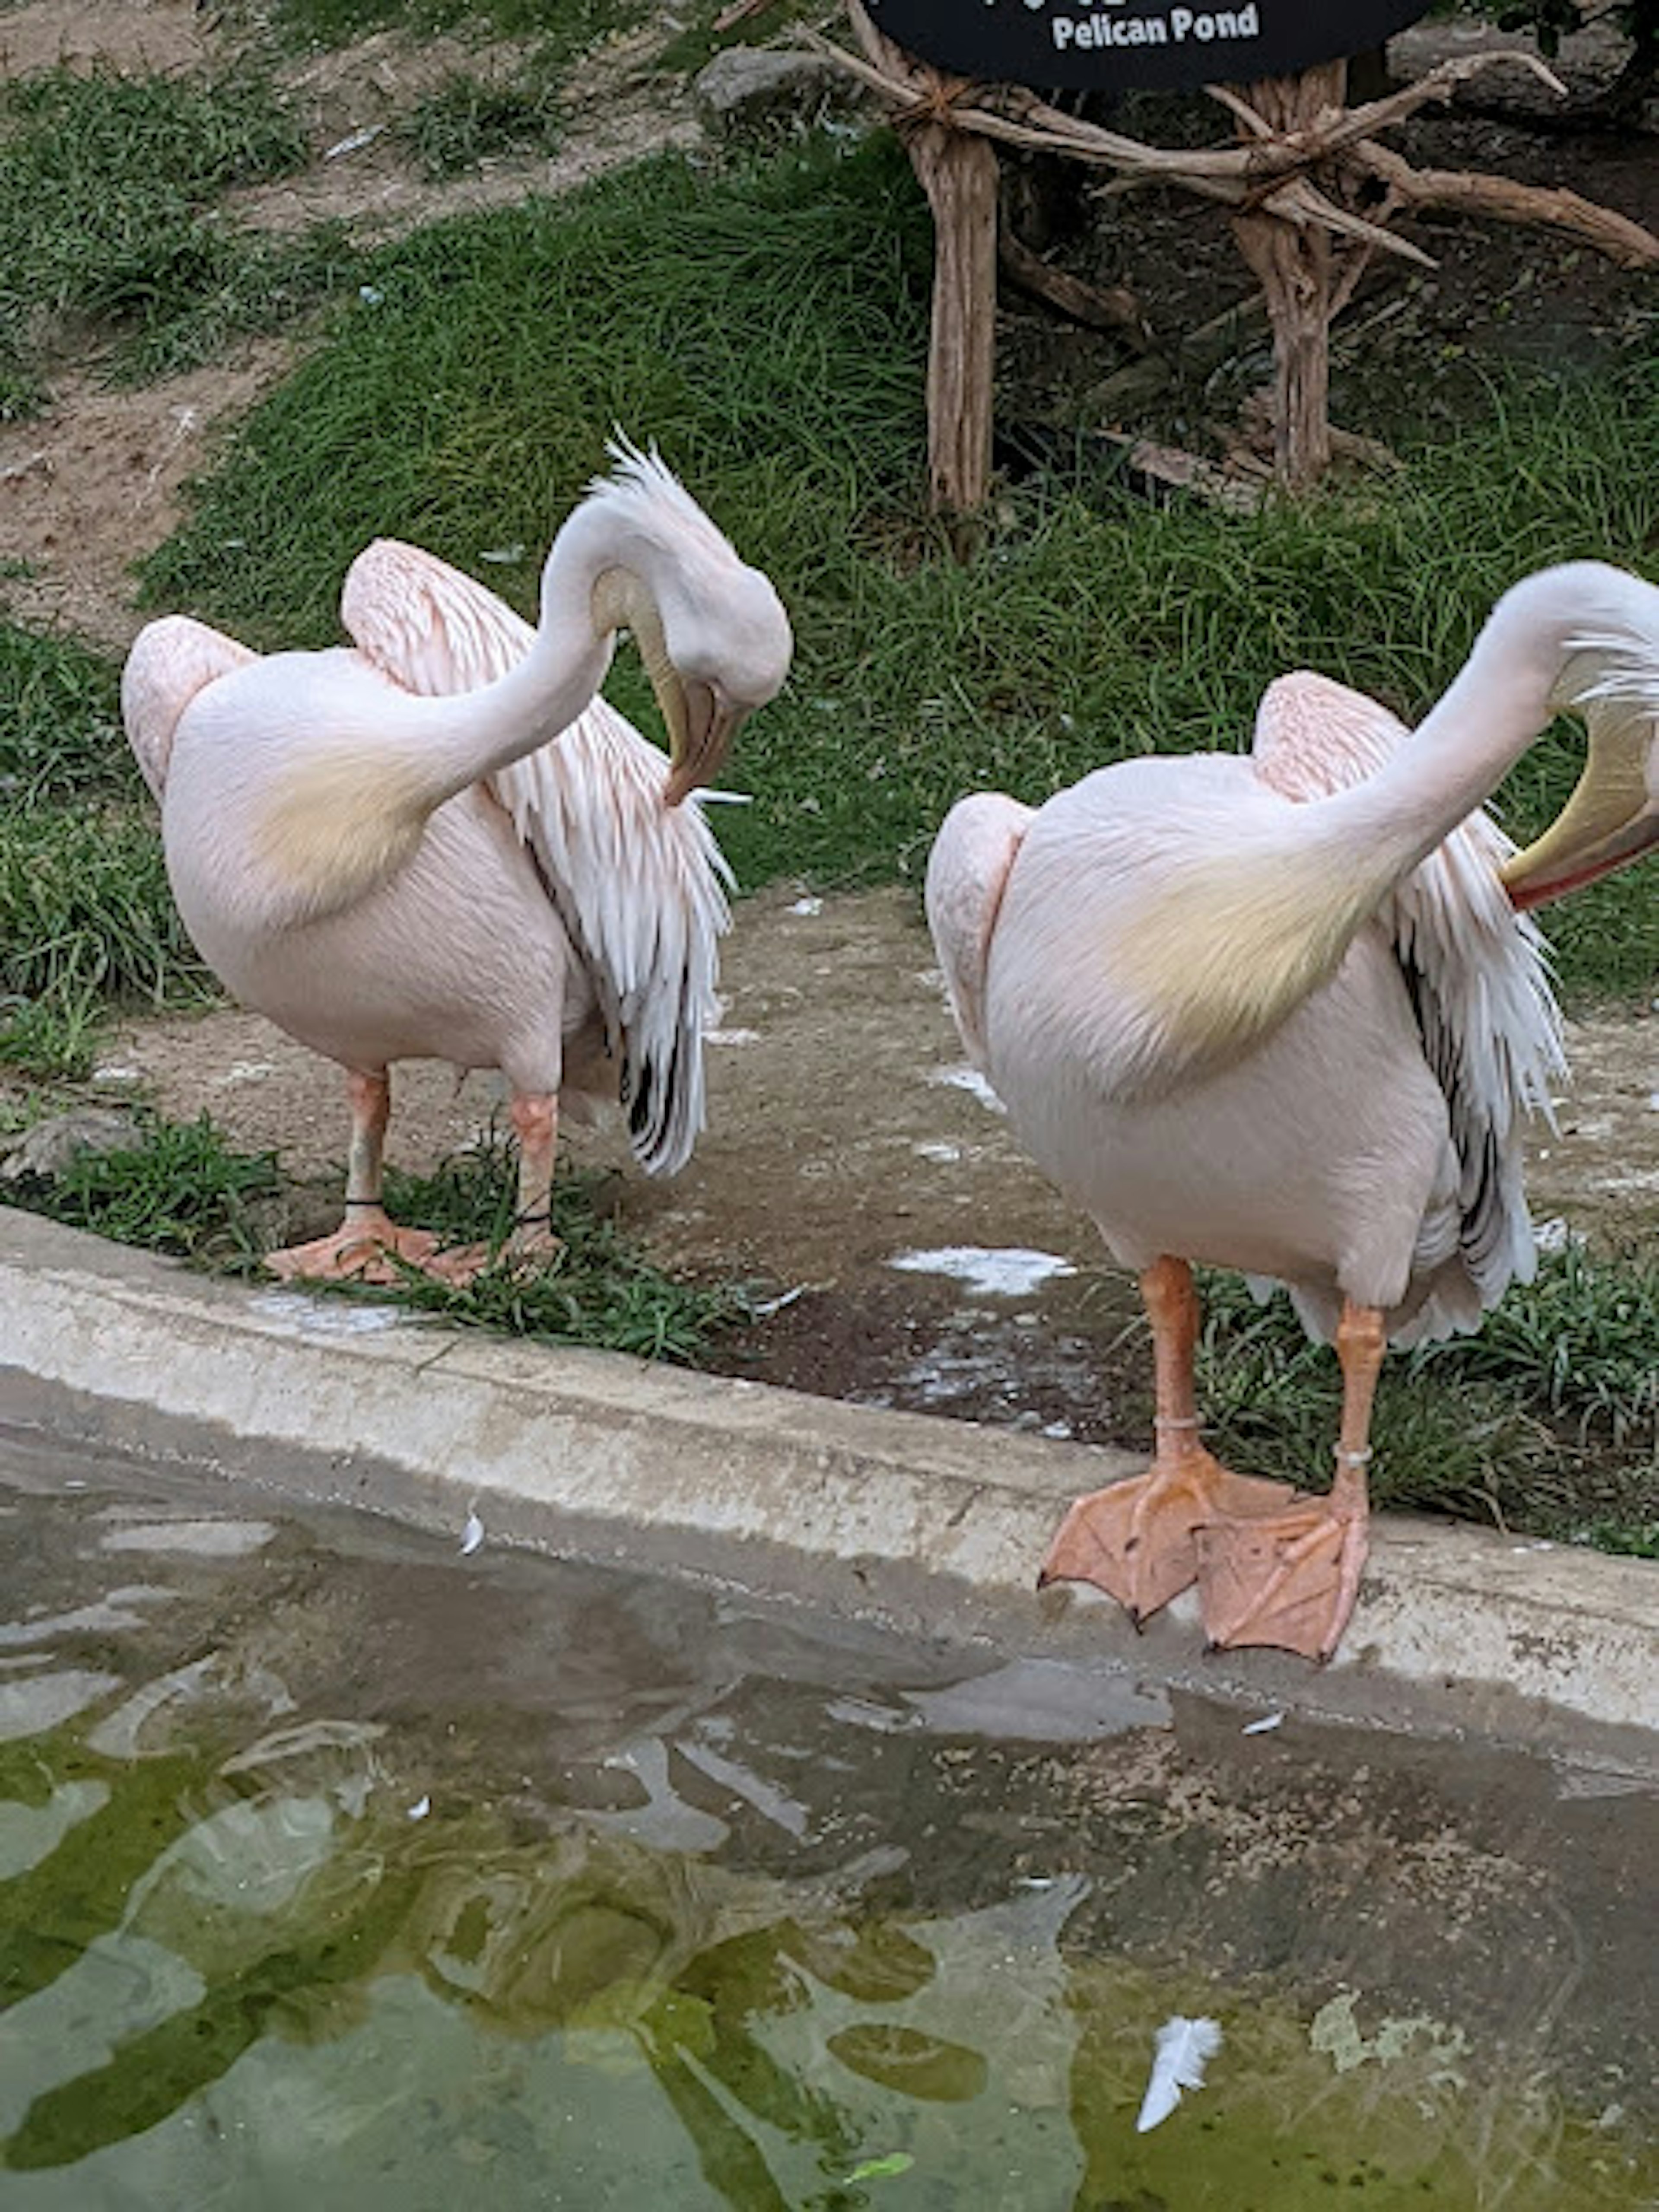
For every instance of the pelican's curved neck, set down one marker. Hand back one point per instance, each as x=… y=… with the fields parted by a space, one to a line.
x=351 y=813
x=1222 y=955
x=464 y=737
x=1502 y=699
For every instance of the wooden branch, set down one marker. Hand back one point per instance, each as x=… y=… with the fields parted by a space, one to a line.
x=1300 y=202
x=1440 y=83
x=739 y=12
x=1466 y=193
x=1166 y=469
x=1200 y=352
x=958 y=173
x=1240 y=110
x=1355 y=269
x=1296 y=269
x=1110 y=307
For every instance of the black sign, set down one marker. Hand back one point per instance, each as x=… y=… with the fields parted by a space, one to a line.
x=1111 y=43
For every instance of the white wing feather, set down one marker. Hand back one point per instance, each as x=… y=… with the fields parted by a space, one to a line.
x=967 y=871
x=641 y=887
x=171 y=660
x=1185 y=2047
x=1478 y=976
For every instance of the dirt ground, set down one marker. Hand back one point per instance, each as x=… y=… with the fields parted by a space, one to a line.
x=92 y=484
x=845 y=1133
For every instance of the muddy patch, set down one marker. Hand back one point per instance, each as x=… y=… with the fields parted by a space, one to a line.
x=90 y=486
x=363 y=176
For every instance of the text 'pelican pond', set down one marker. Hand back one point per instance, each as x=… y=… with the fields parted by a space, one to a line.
x=1113 y=43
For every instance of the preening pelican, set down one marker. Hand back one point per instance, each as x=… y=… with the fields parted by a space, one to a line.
x=442 y=843
x=1281 y=1014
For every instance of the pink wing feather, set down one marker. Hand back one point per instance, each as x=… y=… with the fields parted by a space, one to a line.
x=641 y=887
x=968 y=869
x=1477 y=971
x=171 y=660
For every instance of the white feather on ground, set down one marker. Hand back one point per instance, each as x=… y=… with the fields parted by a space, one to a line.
x=1184 y=2048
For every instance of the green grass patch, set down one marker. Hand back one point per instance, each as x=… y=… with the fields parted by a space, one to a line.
x=180 y=1189
x=768 y=327
x=109 y=188
x=603 y=1291
x=183 y=1188
x=86 y=920
x=558 y=30
x=1548 y=1421
x=469 y=120
x=60 y=730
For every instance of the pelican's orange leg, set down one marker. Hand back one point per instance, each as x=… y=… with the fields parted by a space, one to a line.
x=536 y=1119
x=368 y=1245
x=1291 y=1578
x=1139 y=1540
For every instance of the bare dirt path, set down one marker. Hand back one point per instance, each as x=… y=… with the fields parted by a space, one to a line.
x=91 y=485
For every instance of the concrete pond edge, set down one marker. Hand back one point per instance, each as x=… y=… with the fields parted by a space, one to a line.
x=927 y=1525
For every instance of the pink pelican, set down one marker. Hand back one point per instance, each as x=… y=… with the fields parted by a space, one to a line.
x=1281 y=1014
x=440 y=842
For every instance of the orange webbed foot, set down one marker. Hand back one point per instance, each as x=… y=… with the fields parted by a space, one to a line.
x=1286 y=1579
x=369 y=1247
x=1139 y=1540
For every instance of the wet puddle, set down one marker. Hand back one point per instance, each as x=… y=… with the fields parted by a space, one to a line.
x=337 y=1869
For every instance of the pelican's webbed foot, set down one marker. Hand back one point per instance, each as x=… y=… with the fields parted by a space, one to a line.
x=1139 y=1539
x=1288 y=1579
x=369 y=1247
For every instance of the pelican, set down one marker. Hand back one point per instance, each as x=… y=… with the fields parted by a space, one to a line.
x=1287 y=1014
x=440 y=842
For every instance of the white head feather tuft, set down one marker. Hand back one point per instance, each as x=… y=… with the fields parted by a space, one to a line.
x=644 y=482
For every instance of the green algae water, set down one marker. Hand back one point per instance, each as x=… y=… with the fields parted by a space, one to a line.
x=339 y=1869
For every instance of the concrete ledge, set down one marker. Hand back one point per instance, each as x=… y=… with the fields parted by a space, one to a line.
x=931 y=1525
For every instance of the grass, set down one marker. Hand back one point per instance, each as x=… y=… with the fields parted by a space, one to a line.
x=559 y=29
x=469 y=120
x=180 y=1189
x=768 y=327
x=184 y=1189
x=603 y=1292
x=1548 y=1421
x=86 y=918
x=108 y=216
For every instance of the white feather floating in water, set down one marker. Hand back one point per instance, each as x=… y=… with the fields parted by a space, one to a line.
x=1185 y=2047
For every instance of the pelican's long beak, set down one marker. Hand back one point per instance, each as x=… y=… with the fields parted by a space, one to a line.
x=699 y=718
x=1612 y=819
x=701 y=735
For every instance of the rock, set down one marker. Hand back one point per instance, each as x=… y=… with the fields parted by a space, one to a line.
x=745 y=86
x=46 y=1149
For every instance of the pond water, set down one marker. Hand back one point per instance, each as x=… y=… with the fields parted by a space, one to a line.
x=337 y=1869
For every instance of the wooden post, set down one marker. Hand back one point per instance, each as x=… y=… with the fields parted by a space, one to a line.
x=958 y=170
x=958 y=173
x=1293 y=264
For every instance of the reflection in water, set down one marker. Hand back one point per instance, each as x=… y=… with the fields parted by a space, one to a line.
x=238 y=1970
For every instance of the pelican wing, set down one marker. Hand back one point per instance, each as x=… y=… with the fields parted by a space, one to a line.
x=171 y=660
x=1477 y=971
x=641 y=887
x=967 y=872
